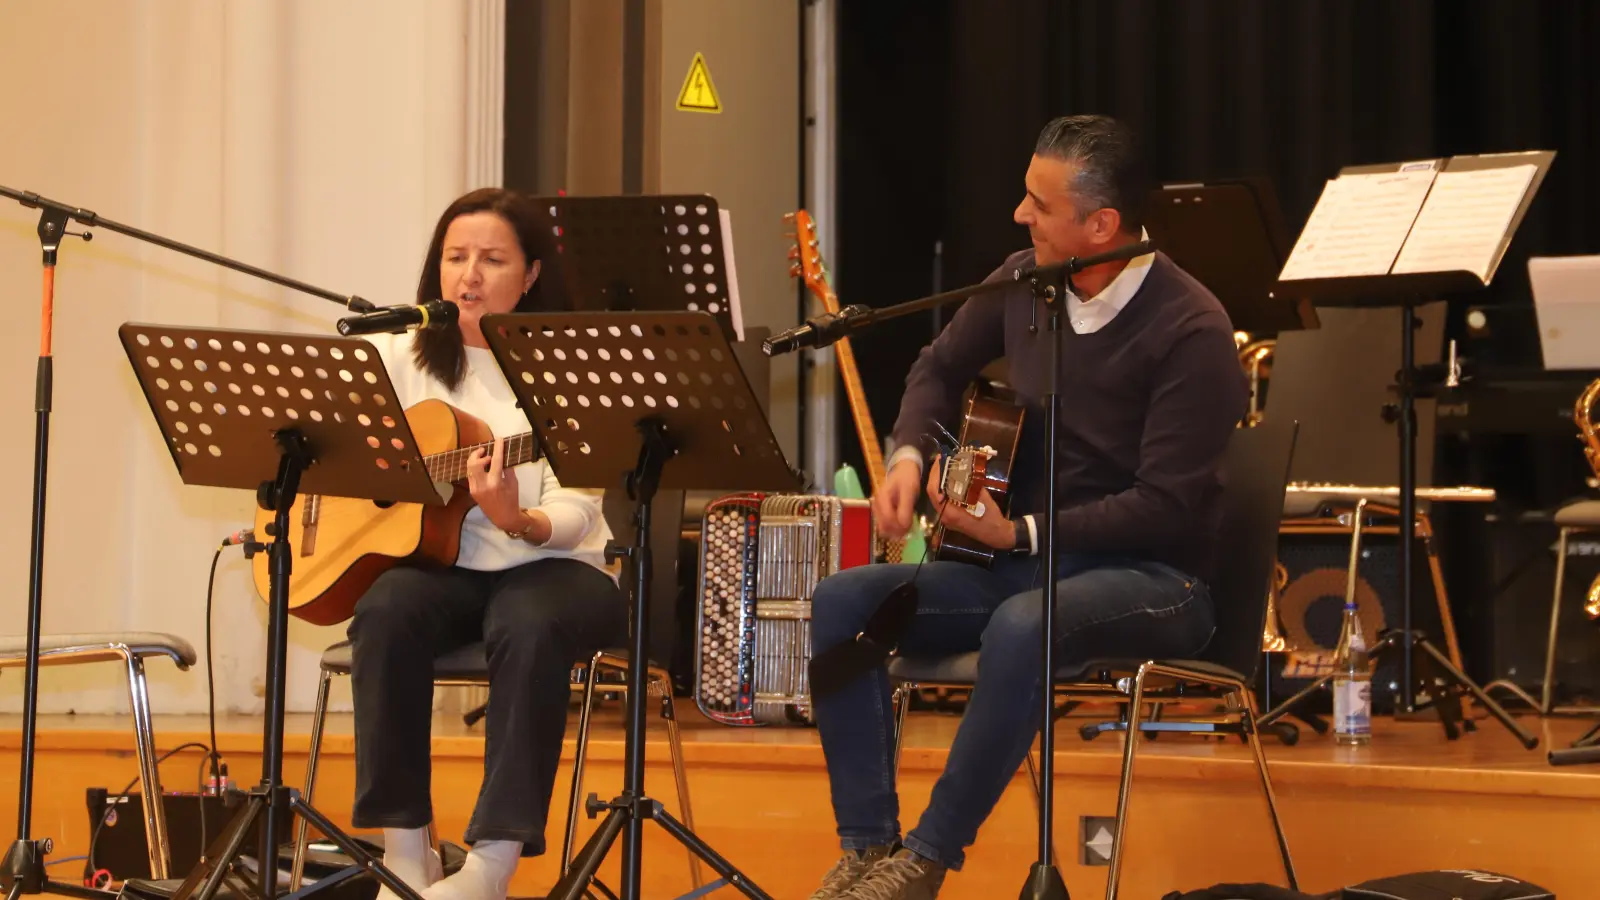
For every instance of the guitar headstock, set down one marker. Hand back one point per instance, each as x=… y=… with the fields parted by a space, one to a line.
x=805 y=256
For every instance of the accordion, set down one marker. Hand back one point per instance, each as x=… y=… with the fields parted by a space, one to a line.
x=761 y=557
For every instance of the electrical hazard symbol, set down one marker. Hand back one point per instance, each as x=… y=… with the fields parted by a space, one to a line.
x=699 y=94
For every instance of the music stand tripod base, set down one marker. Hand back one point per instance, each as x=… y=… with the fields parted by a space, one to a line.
x=281 y=415
x=658 y=400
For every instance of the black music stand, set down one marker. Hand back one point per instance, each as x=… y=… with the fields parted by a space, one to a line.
x=657 y=398
x=278 y=414
x=621 y=254
x=1229 y=234
x=1407 y=289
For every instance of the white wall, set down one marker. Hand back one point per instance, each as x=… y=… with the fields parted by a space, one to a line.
x=312 y=138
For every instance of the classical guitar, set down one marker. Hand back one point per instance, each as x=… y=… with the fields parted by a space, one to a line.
x=980 y=458
x=341 y=545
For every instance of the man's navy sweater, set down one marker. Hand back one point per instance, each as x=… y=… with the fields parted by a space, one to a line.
x=1148 y=405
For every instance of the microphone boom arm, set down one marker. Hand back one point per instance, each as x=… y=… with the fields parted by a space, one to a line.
x=829 y=328
x=92 y=219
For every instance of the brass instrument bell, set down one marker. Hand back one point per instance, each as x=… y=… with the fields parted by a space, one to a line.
x=1255 y=357
x=1272 y=639
x=1582 y=415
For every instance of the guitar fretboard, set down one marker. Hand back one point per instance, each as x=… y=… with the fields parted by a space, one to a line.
x=451 y=465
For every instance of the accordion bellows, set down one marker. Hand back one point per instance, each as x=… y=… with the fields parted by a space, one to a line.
x=761 y=557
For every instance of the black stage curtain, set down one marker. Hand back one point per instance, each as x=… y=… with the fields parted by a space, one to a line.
x=940 y=102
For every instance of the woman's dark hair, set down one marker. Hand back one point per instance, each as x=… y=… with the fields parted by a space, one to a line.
x=440 y=351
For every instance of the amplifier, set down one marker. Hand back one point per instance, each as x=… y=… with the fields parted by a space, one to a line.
x=1310 y=609
x=1520 y=579
x=121 y=847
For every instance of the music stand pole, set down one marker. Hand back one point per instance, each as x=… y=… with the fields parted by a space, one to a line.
x=23 y=867
x=1044 y=879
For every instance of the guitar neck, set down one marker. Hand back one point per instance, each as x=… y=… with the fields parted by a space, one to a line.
x=870 y=448
x=451 y=465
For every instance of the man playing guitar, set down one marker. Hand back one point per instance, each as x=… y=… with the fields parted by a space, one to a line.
x=1151 y=392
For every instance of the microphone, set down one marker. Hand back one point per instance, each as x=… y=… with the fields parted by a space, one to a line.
x=818 y=331
x=396 y=319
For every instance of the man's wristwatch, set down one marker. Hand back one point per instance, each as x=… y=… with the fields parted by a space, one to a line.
x=1024 y=545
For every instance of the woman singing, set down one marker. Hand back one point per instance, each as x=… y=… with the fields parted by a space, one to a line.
x=531 y=582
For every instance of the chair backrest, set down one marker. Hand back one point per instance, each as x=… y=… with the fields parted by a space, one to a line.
x=1255 y=474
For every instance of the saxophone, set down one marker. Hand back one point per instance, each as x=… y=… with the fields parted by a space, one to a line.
x=1582 y=415
x=1255 y=357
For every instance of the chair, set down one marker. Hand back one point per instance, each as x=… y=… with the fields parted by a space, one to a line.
x=131 y=649
x=1257 y=471
x=469 y=666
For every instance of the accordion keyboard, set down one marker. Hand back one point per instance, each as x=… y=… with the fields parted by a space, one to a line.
x=761 y=558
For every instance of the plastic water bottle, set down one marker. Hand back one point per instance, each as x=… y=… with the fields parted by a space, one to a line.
x=1352 y=684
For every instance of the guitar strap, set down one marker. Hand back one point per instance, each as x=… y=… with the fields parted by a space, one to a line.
x=834 y=668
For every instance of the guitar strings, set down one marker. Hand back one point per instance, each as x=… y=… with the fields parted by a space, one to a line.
x=451 y=465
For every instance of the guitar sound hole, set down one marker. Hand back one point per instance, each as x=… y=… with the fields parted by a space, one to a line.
x=383 y=504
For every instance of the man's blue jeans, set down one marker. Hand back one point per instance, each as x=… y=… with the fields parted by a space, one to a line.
x=1104 y=608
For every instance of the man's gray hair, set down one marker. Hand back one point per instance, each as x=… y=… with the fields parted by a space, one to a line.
x=1111 y=170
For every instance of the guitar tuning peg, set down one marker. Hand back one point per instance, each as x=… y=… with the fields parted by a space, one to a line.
x=795 y=271
x=788 y=217
x=794 y=252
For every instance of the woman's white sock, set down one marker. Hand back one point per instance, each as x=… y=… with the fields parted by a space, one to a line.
x=486 y=874
x=408 y=853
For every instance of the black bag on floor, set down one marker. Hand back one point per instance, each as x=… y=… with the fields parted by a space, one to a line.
x=1448 y=884
x=1444 y=884
x=1248 y=892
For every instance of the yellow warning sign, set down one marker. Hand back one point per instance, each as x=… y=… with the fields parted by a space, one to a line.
x=699 y=94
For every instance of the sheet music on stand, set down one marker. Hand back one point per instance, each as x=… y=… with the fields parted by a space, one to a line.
x=1417 y=227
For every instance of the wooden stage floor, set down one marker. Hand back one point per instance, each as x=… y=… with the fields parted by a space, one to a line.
x=1411 y=801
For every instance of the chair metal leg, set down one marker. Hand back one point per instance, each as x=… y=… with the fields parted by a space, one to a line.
x=155 y=818
x=1033 y=779
x=1547 y=690
x=576 y=799
x=901 y=699
x=1125 y=787
x=298 y=866
x=675 y=747
x=1248 y=707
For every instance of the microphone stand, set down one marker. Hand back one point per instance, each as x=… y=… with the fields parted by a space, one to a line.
x=23 y=869
x=1049 y=284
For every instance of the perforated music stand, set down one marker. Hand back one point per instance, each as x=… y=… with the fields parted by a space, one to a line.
x=656 y=397
x=274 y=414
x=666 y=252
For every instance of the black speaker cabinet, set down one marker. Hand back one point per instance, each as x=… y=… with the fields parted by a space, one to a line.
x=1311 y=606
x=1522 y=570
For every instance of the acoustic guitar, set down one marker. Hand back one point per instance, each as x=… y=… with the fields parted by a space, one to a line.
x=341 y=545
x=981 y=458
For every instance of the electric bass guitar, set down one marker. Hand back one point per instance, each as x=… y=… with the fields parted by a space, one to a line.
x=341 y=545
